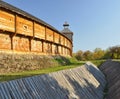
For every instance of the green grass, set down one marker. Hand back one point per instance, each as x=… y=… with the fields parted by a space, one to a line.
x=17 y=75
x=12 y=76
x=98 y=62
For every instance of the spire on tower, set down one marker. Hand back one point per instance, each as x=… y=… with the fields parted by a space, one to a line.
x=67 y=32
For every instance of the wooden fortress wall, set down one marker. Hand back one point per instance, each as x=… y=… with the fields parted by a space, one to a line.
x=21 y=34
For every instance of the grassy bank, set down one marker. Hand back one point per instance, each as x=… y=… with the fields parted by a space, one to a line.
x=10 y=63
x=51 y=64
x=12 y=76
x=98 y=62
x=59 y=63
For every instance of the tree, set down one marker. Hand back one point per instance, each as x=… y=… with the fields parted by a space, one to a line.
x=87 y=55
x=98 y=53
x=115 y=52
x=79 y=55
x=107 y=54
x=112 y=52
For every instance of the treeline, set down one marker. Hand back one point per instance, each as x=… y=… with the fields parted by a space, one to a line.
x=110 y=53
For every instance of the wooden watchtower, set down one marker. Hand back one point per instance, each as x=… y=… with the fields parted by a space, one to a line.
x=68 y=33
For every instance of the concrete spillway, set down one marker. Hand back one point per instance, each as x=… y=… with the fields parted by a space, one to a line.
x=84 y=82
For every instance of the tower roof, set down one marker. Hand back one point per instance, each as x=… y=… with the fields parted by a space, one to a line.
x=66 y=29
x=67 y=32
x=65 y=24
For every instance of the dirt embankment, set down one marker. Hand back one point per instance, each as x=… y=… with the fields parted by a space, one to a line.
x=22 y=62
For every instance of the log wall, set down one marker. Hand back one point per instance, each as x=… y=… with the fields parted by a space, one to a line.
x=24 y=26
x=39 y=31
x=36 y=46
x=21 y=43
x=5 y=41
x=7 y=21
x=21 y=33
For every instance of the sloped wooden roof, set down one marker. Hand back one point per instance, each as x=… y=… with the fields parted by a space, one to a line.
x=85 y=82
x=112 y=71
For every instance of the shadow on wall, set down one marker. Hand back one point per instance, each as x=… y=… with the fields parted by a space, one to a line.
x=99 y=76
x=52 y=89
x=38 y=87
x=111 y=68
x=47 y=87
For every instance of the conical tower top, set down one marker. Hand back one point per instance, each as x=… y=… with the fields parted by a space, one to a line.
x=67 y=32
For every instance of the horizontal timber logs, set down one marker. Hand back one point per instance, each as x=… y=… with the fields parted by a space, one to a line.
x=20 y=43
x=24 y=26
x=5 y=41
x=49 y=34
x=7 y=21
x=39 y=31
x=36 y=46
x=20 y=31
x=56 y=38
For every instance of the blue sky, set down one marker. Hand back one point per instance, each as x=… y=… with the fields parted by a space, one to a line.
x=95 y=23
